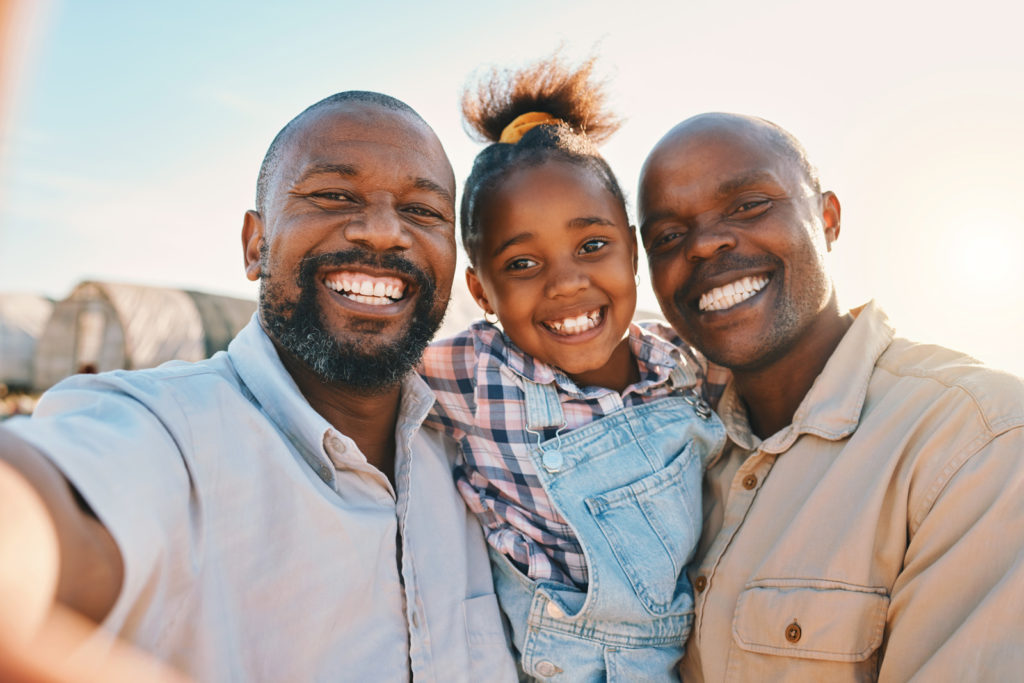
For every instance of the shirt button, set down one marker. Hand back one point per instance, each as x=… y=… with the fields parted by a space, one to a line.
x=793 y=632
x=749 y=481
x=554 y=611
x=547 y=669
x=700 y=583
x=415 y=620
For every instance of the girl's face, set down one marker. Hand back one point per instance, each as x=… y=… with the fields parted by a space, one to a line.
x=556 y=262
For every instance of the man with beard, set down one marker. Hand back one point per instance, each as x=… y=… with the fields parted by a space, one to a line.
x=866 y=517
x=276 y=512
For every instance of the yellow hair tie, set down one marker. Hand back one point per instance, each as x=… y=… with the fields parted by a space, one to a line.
x=514 y=131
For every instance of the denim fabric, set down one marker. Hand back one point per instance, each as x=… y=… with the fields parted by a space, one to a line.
x=629 y=484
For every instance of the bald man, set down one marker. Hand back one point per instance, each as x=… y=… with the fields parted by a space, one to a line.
x=866 y=518
x=276 y=513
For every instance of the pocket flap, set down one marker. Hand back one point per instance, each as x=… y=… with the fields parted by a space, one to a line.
x=811 y=620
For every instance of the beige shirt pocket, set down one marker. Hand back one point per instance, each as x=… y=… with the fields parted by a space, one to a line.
x=805 y=625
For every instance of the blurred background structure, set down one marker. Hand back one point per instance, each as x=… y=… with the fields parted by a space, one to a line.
x=132 y=132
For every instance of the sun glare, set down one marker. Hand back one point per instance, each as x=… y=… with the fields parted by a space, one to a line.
x=986 y=249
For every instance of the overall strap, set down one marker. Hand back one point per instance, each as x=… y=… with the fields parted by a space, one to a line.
x=543 y=409
x=681 y=377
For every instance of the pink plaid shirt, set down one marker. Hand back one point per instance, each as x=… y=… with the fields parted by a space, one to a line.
x=478 y=377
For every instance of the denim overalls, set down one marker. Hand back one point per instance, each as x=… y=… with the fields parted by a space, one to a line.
x=629 y=485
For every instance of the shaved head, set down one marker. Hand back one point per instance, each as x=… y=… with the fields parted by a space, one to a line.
x=273 y=155
x=756 y=128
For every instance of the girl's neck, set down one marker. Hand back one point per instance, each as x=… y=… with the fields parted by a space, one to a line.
x=618 y=373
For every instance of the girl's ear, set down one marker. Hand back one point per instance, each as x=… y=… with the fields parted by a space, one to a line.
x=636 y=251
x=477 y=290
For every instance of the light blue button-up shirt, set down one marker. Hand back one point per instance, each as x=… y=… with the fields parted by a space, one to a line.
x=258 y=543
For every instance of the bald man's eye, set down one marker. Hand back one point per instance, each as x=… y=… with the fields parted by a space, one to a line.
x=665 y=240
x=332 y=196
x=751 y=208
x=423 y=213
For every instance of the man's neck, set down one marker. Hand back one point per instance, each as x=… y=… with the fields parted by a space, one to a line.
x=774 y=392
x=367 y=417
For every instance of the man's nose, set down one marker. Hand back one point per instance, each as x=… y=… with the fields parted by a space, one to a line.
x=708 y=238
x=565 y=278
x=380 y=228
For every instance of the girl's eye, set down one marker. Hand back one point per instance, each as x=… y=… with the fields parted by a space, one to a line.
x=751 y=208
x=521 y=264
x=590 y=246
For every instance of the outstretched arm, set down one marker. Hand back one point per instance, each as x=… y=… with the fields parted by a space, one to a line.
x=58 y=565
x=71 y=555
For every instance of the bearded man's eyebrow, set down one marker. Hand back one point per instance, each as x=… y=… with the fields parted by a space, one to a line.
x=430 y=186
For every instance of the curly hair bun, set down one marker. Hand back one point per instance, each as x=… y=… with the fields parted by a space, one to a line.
x=550 y=86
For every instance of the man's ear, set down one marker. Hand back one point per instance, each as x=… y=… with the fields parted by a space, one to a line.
x=252 y=241
x=477 y=290
x=830 y=212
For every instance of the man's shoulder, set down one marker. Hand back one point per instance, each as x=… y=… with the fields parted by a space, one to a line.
x=949 y=375
x=177 y=381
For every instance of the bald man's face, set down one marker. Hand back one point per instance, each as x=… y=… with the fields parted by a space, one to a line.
x=356 y=246
x=735 y=239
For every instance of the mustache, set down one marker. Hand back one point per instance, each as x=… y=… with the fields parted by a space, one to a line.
x=725 y=263
x=309 y=266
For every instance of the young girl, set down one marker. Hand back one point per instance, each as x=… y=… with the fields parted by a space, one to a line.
x=583 y=436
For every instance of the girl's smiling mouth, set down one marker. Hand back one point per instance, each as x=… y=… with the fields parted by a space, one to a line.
x=576 y=324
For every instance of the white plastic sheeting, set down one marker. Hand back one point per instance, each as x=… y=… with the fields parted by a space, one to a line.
x=108 y=326
x=22 y=318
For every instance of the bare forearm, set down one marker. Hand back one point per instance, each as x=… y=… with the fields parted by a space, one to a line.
x=60 y=573
x=88 y=569
x=29 y=559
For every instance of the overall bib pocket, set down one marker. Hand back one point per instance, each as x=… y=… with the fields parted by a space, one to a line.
x=652 y=527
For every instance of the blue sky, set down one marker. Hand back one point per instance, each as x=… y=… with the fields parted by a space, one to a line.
x=135 y=130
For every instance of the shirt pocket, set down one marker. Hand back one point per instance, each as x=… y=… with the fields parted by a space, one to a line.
x=815 y=620
x=651 y=527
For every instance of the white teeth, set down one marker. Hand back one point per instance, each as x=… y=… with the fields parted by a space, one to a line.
x=375 y=291
x=576 y=325
x=727 y=296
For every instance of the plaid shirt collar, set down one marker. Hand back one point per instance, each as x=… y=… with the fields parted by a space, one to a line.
x=655 y=359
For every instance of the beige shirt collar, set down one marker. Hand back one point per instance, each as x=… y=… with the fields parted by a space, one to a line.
x=832 y=407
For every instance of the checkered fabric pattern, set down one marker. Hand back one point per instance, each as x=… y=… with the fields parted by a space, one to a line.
x=478 y=377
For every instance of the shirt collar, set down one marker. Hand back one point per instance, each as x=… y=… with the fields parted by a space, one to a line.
x=832 y=407
x=257 y=363
x=655 y=358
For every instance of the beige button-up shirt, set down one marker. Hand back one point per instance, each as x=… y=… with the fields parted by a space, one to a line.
x=879 y=536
